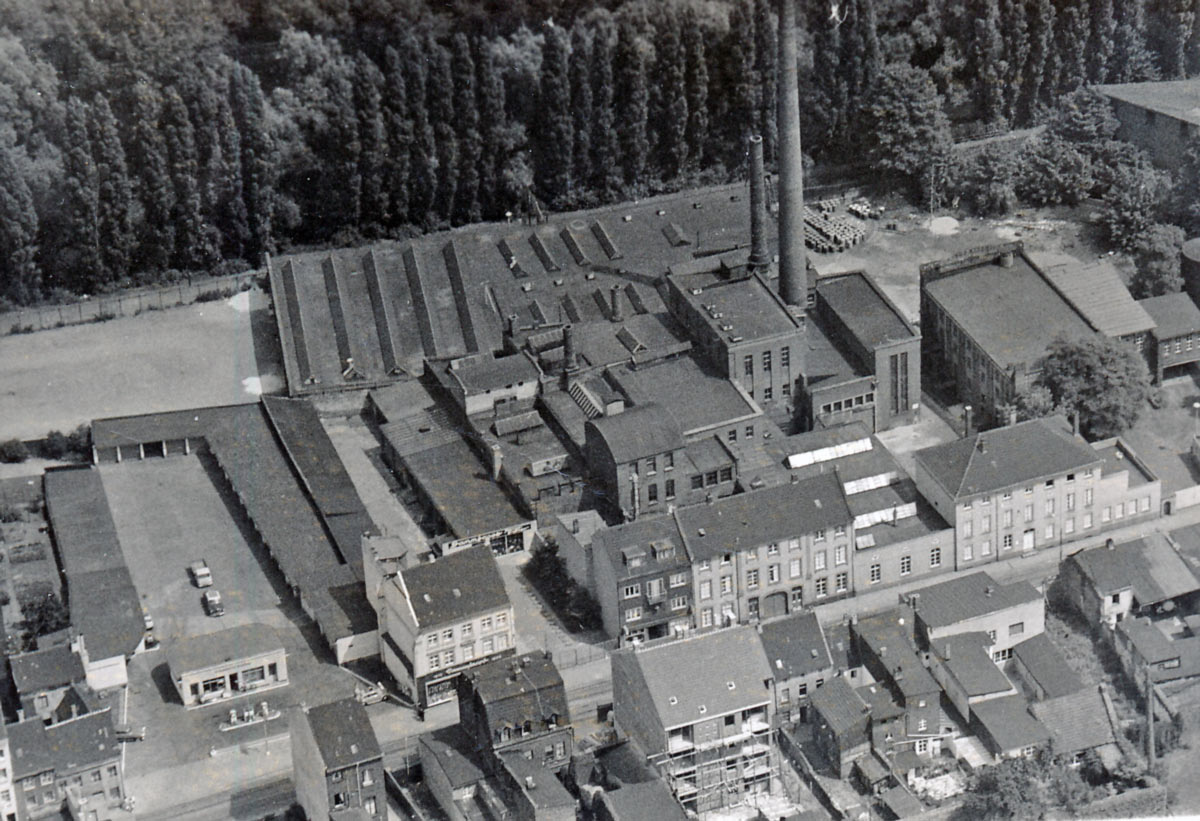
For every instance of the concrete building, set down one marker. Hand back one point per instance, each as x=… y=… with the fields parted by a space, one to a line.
x=73 y=765
x=517 y=708
x=337 y=763
x=1032 y=485
x=1007 y=614
x=768 y=552
x=701 y=710
x=1158 y=117
x=440 y=618
x=799 y=657
x=243 y=660
x=1176 y=342
x=643 y=580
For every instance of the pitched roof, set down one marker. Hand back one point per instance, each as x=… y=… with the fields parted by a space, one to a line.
x=455 y=755
x=641 y=431
x=200 y=652
x=1077 y=721
x=1149 y=565
x=458 y=585
x=1173 y=314
x=646 y=799
x=484 y=373
x=462 y=490
x=615 y=544
x=1009 y=723
x=518 y=689
x=795 y=645
x=705 y=676
x=892 y=645
x=45 y=669
x=1007 y=457
x=759 y=517
x=966 y=656
x=81 y=520
x=839 y=704
x=1046 y=665
x=344 y=734
x=1174 y=98
x=106 y=611
x=967 y=597
x=67 y=747
x=1097 y=291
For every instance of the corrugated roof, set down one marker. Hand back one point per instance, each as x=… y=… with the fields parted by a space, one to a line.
x=1077 y=721
x=1010 y=724
x=1046 y=665
x=344 y=733
x=795 y=645
x=690 y=680
x=1173 y=314
x=1174 y=98
x=1097 y=291
x=641 y=431
x=192 y=653
x=1007 y=457
x=456 y=586
x=760 y=517
x=967 y=597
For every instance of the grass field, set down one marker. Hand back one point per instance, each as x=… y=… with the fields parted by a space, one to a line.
x=162 y=360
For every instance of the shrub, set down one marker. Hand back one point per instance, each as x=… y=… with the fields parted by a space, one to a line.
x=13 y=451
x=56 y=445
x=11 y=513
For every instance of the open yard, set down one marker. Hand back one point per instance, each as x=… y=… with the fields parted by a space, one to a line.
x=1162 y=437
x=169 y=512
x=210 y=353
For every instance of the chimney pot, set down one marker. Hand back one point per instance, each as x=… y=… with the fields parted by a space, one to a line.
x=615 y=300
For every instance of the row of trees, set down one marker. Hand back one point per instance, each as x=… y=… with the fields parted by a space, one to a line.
x=140 y=139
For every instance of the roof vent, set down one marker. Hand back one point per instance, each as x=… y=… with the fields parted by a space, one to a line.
x=672 y=700
x=988 y=591
x=627 y=218
x=700 y=532
x=778 y=664
x=354 y=749
x=813 y=651
x=661 y=212
x=457 y=593
x=817 y=502
x=703 y=709
x=426 y=597
x=529 y=785
x=732 y=685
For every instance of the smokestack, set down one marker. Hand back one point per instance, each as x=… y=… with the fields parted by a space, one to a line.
x=793 y=264
x=497 y=462
x=570 y=361
x=759 y=260
x=616 y=303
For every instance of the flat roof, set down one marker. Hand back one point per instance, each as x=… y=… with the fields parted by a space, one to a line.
x=864 y=308
x=461 y=489
x=193 y=653
x=697 y=399
x=1116 y=458
x=1174 y=98
x=454 y=587
x=827 y=362
x=1173 y=314
x=746 y=305
x=1011 y=313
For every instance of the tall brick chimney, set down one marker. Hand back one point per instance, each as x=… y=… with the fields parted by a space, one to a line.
x=793 y=263
x=759 y=258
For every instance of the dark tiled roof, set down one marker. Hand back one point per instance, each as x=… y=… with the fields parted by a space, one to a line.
x=1008 y=721
x=539 y=785
x=795 y=646
x=865 y=310
x=1077 y=721
x=68 y=747
x=159 y=427
x=1047 y=666
x=1150 y=566
x=455 y=587
x=968 y=660
x=839 y=705
x=966 y=597
x=688 y=680
x=892 y=645
x=454 y=754
x=200 y=652
x=696 y=398
x=759 y=517
x=1007 y=457
x=1173 y=314
x=344 y=734
x=81 y=520
x=610 y=544
x=645 y=430
x=106 y=610
x=486 y=373
x=45 y=669
x=518 y=689
x=649 y=799
x=879 y=699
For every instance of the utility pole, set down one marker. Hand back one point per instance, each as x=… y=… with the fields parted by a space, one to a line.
x=1149 y=718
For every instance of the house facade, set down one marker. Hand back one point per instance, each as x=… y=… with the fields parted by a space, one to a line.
x=643 y=580
x=337 y=762
x=74 y=763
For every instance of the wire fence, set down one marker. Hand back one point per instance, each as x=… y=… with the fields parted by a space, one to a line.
x=126 y=303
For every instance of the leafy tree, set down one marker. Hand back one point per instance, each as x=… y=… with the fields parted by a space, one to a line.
x=741 y=85
x=1156 y=262
x=79 y=261
x=13 y=450
x=1052 y=171
x=986 y=61
x=148 y=157
x=605 y=168
x=20 y=277
x=1009 y=789
x=1103 y=382
x=43 y=614
x=1072 y=33
x=696 y=71
x=986 y=181
x=1132 y=204
x=766 y=55
x=423 y=157
x=114 y=191
x=1186 y=196
x=1037 y=79
x=632 y=103
x=232 y=219
x=670 y=118
x=1015 y=27
x=553 y=126
x=1036 y=403
x=1132 y=61
x=581 y=106
x=398 y=125
x=1170 y=34
x=1085 y=119
x=906 y=131
x=373 y=143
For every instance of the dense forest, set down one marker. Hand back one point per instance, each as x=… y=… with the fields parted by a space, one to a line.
x=144 y=139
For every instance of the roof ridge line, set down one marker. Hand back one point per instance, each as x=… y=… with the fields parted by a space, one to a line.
x=970 y=459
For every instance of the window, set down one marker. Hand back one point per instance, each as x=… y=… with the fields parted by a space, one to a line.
x=794 y=568
x=48 y=777
x=669 y=488
x=905 y=565
x=1029 y=513
x=631 y=590
x=840 y=530
x=668 y=461
x=797 y=597
x=749 y=431
x=752 y=579
x=447 y=657
x=706 y=589
x=697 y=482
x=985 y=547
x=726 y=558
x=485 y=624
x=968 y=529
x=985 y=524
x=467 y=630
x=935 y=557
x=876 y=573
x=731 y=435
x=113 y=771
x=501 y=620
x=842 y=581
x=1050 y=530
x=679 y=602
x=448 y=634
x=489 y=645
x=633 y=614
x=468 y=651
x=752 y=606
x=766 y=360
x=773 y=549
x=1106 y=514
x=785 y=357
x=435 y=661
x=839 y=554
x=819 y=560
x=773 y=574
x=651 y=465
x=1007 y=495
x=1070 y=502
x=968 y=553
x=1016 y=629
x=1087 y=496
x=678 y=579
x=822 y=585
x=768 y=394
x=1049 y=507
x=1119 y=510
x=726 y=474
x=726 y=585
x=898 y=367
x=433 y=640
x=706 y=617
x=819 y=536
x=784 y=695
x=922 y=724
x=1008 y=520
x=1087 y=520
x=1069 y=526
x=1028 y=491
x=652 y=493
x=710 y=478
x=96 y=776
x=370 y=806
x=705 y=565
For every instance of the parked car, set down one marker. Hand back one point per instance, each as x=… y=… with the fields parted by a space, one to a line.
x=213 y=605
x=201 y=574
x=126 y=732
